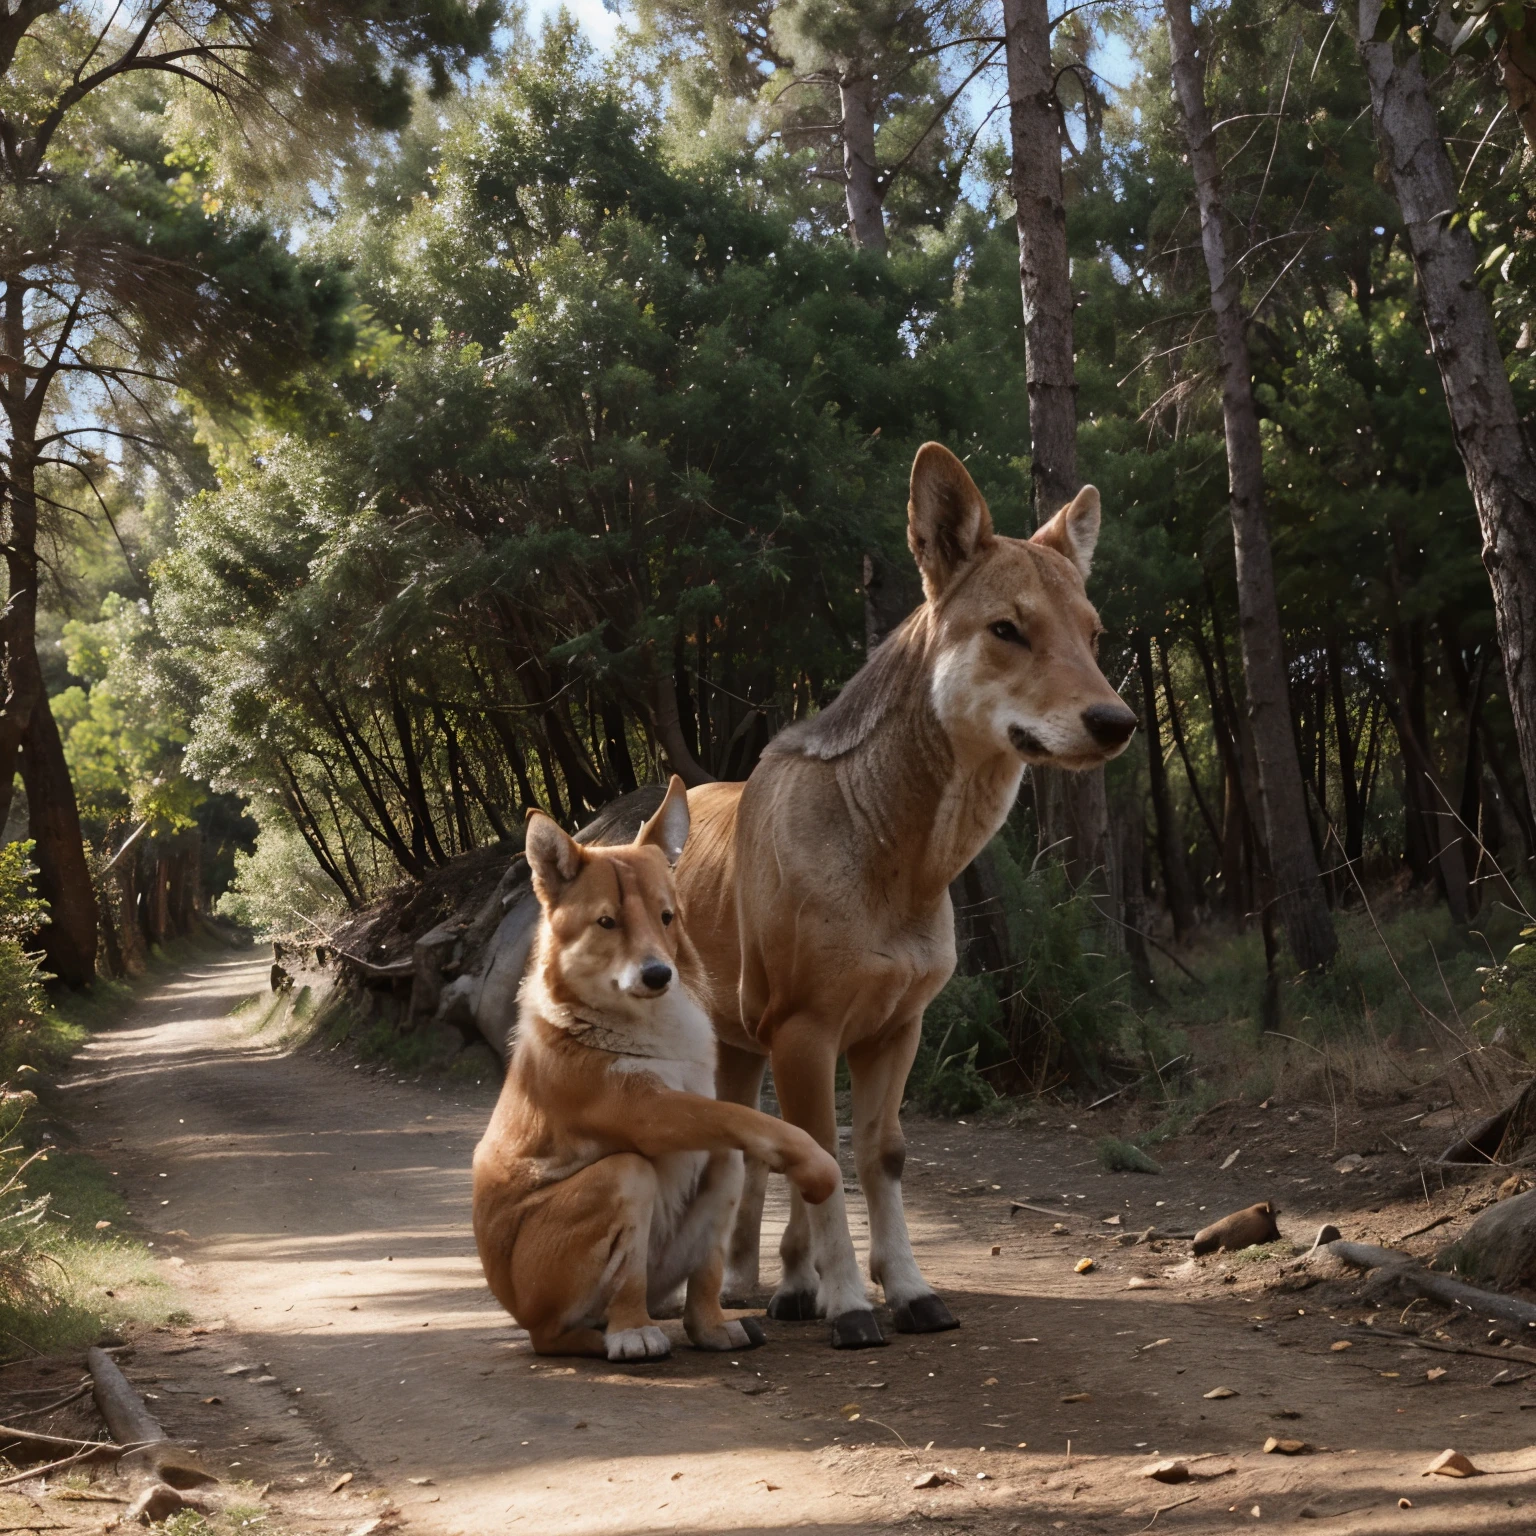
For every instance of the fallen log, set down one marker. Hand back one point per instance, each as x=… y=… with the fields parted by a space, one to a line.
x=1499 y=1247
x=1408 y=1275
x=144 y=1442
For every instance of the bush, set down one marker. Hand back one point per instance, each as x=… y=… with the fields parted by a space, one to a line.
x=279 y=890
x=22 y=1000
x=960 y=1024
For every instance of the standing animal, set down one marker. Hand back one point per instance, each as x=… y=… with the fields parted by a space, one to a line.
x=818 y=891
x=610 y=1174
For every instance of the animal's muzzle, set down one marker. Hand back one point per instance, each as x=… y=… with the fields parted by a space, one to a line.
x=655 y=974
x=1111 y=725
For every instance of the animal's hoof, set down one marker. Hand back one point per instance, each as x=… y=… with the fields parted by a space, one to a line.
x=856 y=1330
x=637 y=1344
x=924 y=1314
x=753 y=1330
x=793 y=1307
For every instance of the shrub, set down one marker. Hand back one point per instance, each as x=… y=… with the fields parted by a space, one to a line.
x=22 y=999
x=278 y=889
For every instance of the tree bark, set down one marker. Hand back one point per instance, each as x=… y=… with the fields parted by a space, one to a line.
x=63 y=877
x=861 y=169
x=1072 y=808
x=1299 y=897
x=1492 y=441
x=1178 y=887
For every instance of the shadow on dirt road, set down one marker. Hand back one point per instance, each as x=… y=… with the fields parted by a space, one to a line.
x=322 y=1211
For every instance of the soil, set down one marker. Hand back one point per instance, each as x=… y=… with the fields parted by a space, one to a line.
x=316 y=1214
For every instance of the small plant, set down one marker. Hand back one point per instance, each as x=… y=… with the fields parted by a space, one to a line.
x=960 y=1021
x=22 y=1001
x=1125 y=1157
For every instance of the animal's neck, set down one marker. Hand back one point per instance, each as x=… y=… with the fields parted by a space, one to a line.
x=664 y=1029
x=928 y=806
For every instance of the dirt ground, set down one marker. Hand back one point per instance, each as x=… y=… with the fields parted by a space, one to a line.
x=316 y=1214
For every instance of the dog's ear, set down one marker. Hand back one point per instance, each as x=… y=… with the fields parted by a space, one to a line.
x=947 y=518
x=1074 y=531
x=668 y=828
x=553 y=855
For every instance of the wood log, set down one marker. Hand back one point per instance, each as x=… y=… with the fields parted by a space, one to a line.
x=1499 y=1248
x=145 y=1445
x=124 y=1410
x=1413 y=1278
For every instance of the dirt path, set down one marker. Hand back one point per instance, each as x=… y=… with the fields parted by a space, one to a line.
x=321 y=1211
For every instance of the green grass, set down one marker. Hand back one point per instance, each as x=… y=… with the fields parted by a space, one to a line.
x=1399 y=1006
x=225 y=1522
x=76 y=1264
x=1125 y=1157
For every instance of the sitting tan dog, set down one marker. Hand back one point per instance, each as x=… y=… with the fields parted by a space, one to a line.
x=610 y=1173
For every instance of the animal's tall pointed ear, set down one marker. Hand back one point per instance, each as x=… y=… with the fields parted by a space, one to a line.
x=1074 y=531
x=668 y=828
x=553 y=855
x=947 y=518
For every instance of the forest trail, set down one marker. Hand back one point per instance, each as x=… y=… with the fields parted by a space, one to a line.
x=322 y=1212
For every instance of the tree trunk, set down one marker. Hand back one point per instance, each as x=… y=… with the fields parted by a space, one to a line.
x=18 y=624
x=1501 y=467
x=861 y=170
x=1298 y=888
x=63 y=878
x=1178 y=887
x=1072 y=809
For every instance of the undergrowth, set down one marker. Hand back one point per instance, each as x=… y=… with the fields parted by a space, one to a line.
x=87 y=1273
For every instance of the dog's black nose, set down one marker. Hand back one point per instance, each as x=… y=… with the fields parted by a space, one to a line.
x=1110 y=725
x=655 y=974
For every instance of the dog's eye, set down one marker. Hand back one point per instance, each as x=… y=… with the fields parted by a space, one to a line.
x=606 y=922
x=1009 y=632
x=666 y=917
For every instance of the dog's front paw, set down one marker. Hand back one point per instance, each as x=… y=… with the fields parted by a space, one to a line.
x=648 y=1343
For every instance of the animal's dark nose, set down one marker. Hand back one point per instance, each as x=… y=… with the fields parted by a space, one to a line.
x=655 y=974
x=1110 y=725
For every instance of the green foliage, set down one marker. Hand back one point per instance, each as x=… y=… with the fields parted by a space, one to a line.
x=1117 y=1156
x=1509 y=989
x=122 y=738
x=278 y=890
x=22 y=999
x=960 y=1025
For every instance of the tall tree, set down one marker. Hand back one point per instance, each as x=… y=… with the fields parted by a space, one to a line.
x=1073 y=809
x=1299 y=895
x=113 y=277
x=1492 y=438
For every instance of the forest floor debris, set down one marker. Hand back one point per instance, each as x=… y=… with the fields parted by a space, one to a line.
x=321 y=1213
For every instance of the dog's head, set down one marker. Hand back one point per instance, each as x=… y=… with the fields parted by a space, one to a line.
x=1017 y=639
x=611 y=912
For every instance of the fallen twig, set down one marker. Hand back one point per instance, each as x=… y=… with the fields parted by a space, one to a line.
x=10 y=1436
x=1164 y=1508
x=1039 y=1210
x=1429 y=1226
x=49 y=1466
x=36 y=1413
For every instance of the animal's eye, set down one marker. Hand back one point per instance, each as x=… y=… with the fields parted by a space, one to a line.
x=666 y=917
x=1009 y=632
x=606 y=922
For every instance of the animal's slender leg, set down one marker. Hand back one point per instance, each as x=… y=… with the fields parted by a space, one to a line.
x=804 y=1066
x=739 y=1078
x=700 y=1245
x=878 y=1070
x=582 y=1256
